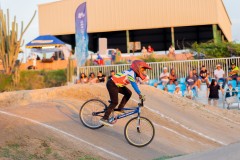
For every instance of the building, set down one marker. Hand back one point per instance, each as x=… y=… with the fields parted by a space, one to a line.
x=159 y=23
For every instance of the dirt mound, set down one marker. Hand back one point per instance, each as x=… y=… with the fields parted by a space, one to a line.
x=182 y=126
x=23 y=140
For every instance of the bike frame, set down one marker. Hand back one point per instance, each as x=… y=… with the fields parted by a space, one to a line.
x=134 y=111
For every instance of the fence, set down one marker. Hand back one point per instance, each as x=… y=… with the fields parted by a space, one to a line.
x=182 y=68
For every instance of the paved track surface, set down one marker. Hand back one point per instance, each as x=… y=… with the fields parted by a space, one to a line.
x=230 y=152
x=181 y=126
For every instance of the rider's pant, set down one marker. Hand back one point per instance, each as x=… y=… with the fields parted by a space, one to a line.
x=113 y=92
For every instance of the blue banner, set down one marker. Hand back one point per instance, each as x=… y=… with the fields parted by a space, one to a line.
x=81 y=51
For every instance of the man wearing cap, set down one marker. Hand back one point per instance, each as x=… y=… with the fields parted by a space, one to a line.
x=219 y=75
x=233 y=74
x=164 y=76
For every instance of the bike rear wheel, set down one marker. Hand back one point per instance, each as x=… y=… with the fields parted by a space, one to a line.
x=139 y=131
x=91 y=112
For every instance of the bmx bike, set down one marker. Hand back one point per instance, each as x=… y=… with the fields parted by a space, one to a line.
x=139 y=131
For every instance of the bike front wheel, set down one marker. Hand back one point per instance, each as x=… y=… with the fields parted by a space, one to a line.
x=139 y=131
x=91 y=112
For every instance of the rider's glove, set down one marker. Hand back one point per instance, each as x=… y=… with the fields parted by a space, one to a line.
x=141 y=96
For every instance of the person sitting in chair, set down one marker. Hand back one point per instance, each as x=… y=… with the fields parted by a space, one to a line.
x=231 y=93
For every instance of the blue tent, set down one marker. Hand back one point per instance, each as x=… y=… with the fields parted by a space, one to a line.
x=45 y=41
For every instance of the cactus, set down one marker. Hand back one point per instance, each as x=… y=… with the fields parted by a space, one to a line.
x=9 y=42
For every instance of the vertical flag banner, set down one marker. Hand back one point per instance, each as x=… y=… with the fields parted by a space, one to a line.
x=81 y=51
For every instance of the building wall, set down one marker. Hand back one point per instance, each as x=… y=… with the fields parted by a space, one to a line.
x=224 y=20
x=116 y=15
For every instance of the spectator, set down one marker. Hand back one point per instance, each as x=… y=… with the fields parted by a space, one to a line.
x=219 y=74
x=144 y=52
x=191 y=80
x=198 y=83
x=101 y=77
x=165 y=89
x=92 y=78
x=112 y=73
x=233 y=74
x=145 y=81
x=172 y=77
x=171 y=51
x=164 y=76
x=177 y=91
x=231 y=95
x=204 y=75
x=213 y=92
x=34 y=59
x=99 y=59
x=118 y=55
x=188 y=93
x=150 y=50
x=231 y=91
x=38 y=58
x=113 y=57
x=83 y=78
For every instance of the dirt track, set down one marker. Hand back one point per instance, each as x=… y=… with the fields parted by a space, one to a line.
x=181 y=127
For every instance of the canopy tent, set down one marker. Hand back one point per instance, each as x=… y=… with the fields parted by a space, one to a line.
x=45 y=41
x=48 y=43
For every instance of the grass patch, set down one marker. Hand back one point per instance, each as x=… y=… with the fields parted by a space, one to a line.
x=87 y=157
x=57 y=156
x=40 y=149
x=34 y=80
x=48 y=150
x=12 y=151
x=5 y=152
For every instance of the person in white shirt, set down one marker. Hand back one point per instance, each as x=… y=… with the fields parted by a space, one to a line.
x=177 y=91
x=140 y=81
x=34 y=59
x=164 y=76
x=219 y=75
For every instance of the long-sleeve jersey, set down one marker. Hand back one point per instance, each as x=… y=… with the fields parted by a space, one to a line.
x=125 y=78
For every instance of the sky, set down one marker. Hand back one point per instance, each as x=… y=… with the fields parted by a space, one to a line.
x=24 y=9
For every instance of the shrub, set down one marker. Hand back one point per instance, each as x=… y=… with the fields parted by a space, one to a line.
x=55 y=78
x=34 y=80
x=5 y=82
x=217 y=50
x=153 y=58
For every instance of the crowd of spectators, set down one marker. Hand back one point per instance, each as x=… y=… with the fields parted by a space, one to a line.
x=147 y=51
x=191 y=85
x=92 y=78
x=188 y=86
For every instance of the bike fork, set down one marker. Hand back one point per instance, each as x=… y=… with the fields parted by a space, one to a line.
x=138 y=124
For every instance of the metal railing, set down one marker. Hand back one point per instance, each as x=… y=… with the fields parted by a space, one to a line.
x=182 y=68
